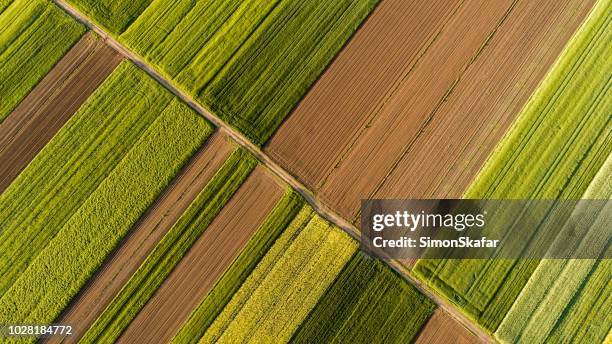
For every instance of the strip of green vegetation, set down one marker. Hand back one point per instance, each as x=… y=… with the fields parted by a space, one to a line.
x=266 y=78
x=171 y=249
x=74 y=164
x=249 y=61
x=286 y=285
x=562 y=302
x=367 y=303
x=553 y=151
x=34 y=35
x=202 y=317
x=59 y=271
x=113 y=15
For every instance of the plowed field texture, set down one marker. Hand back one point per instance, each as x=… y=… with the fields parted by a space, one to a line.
x=129 y=216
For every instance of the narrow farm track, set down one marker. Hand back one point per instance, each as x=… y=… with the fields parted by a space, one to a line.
x=122 y=264
x=442 y=328
x=287 y=177
x=206 y=261
x=28 y=128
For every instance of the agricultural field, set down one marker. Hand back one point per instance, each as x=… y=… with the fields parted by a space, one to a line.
x=102 y=171
x=139 y=243
x=26 y=130
x=35 y=35
x=421 y=96
x=442 y=328
x=555 y=150
x=240 y=59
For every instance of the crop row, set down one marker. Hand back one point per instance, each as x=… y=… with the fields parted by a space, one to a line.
x=248 y=61
x=87 y=188
x=34 y=35
x=171 y=249
x=202 y=317
x=558 y=144
x=345 y=313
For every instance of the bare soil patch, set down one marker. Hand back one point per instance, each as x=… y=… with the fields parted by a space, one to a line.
x=442 y=329
x=51 y=103
x=206 y=261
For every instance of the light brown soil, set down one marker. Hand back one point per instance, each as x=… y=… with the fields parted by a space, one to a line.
x=51 y=103
x=206 y=261
x=443 y=329
x=340 y=103
x=429 y=134
x=107 y=282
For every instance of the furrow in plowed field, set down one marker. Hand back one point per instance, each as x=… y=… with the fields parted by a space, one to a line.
x=442 y=328
x=50 y=104
x=206 y=261
x=429 y=134
x=151 y=228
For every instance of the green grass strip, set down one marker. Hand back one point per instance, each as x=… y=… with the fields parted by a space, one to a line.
x=543 y=309
x=367 y=303
x=267 y=233
x=34 y=35
x=112 y=15
x=74 y=164
x=553 y=151
x=95 y=229
x=171 y=249
x=285 y=285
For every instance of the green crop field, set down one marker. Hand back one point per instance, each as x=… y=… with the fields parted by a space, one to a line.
x=248 y=61
x=367 y=303
x=52 y=275
x=34 y=35
x=556 y=302
x=554 y=150
x=280 y=218
x=73 y=165
x=285 y=285
x=171 y=249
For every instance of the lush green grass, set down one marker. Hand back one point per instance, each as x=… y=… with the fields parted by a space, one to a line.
x=34 y=35
x=113 y=15
x=285 y=285
x=553 y=151
x=171 y=249
x=73 y=165
x=280 y=218
x=367 y=303
x=562 y=301
x=248 y=61
x=63 y=267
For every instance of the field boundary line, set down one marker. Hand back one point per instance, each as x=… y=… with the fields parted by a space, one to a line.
x=270 y=164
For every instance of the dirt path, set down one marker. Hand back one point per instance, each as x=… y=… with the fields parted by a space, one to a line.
x=120 y=266
x=51 y=103
x=442 y=329
x=206 y=261
x=431 y=131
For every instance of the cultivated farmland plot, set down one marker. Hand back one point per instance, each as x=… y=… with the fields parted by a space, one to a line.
x=87 y=188
x=249 y=61
x=34 y=35
x=554 y=151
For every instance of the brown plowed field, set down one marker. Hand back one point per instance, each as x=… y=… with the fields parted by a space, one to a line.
x=51 y=103
x=206 y=261
x=107 y=282
x=442 y=329
x=431 y=131
x=346 y=96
